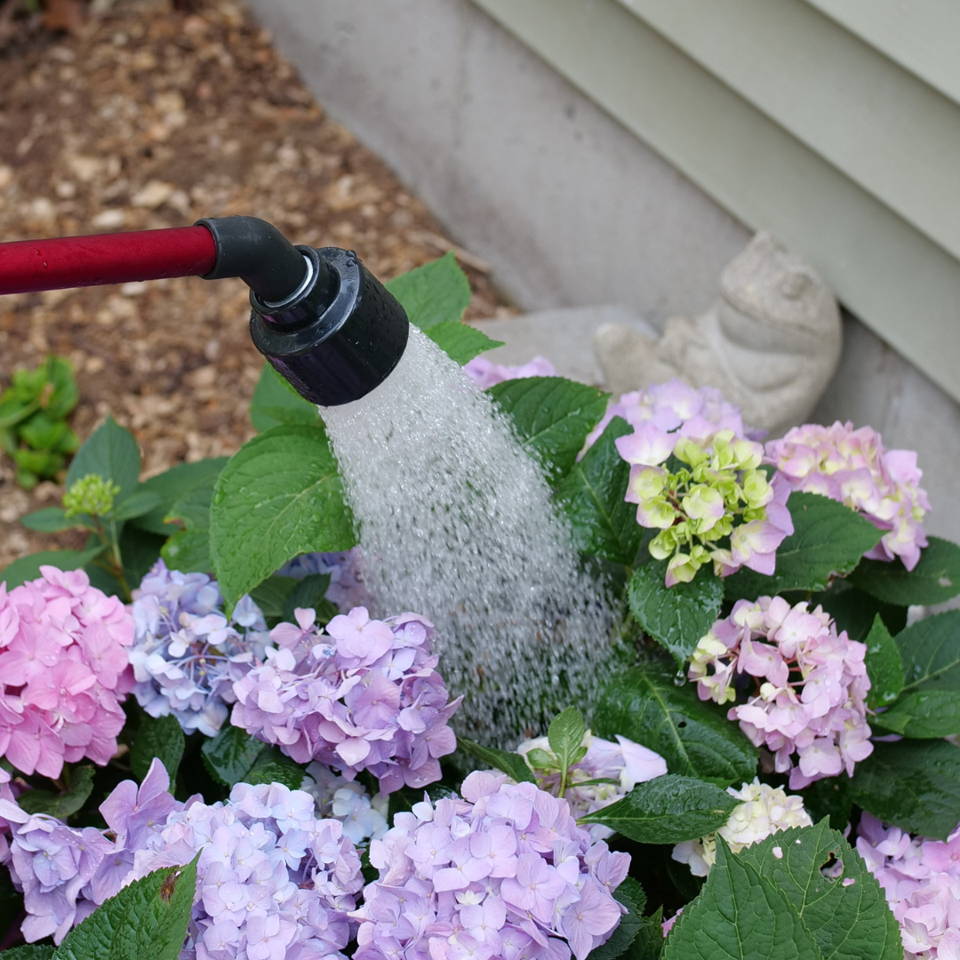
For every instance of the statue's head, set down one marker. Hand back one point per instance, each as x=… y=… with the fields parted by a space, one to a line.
x=767 y=282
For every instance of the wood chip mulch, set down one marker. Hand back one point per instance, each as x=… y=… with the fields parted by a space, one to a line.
x=146 y=115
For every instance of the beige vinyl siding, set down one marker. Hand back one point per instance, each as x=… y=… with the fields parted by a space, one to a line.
x=792 y=122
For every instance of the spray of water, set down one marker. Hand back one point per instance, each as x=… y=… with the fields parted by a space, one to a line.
x=456 y=523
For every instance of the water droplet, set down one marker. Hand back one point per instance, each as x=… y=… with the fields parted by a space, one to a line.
x=457 y=523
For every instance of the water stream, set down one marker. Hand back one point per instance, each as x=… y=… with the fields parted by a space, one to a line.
x=456 y=523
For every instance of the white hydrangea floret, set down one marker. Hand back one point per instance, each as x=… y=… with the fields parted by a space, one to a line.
x=763 y=810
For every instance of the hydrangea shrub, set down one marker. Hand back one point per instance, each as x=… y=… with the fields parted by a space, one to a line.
x=235 y=753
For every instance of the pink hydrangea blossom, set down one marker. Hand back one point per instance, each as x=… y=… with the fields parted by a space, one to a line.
x=622 y=765
x=502 y=870
x=853 y=467
x=362 y=694
x=63 y=663
x=921 y=880
x=808 y=706
x=709 y=499
x=671 y=407
x=485 y=373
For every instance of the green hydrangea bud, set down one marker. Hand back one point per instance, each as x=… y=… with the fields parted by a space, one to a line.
x=92 y=494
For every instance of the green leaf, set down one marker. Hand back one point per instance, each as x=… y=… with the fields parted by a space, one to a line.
x=459 y=341
x=140 y=550
x=695 y=738
x=512 y=764
x=28 y=568
x=739 y=915
x=830 y=798
x=667 y=809
x=846 y=913
x=437 y=292
x=630 y=894
x=565 y=736
x=311 y=592
x=884 y=666
x=602 y=522
x=929 y=703
x=189 y=549
x=854 y=611
x=678 y=616
x=161 y=738
x=32 y=951
x=935 y=579
x=231 y=754
x=912 y=784
x=279 y=495
x=552 y=417
x=173 y=485
x=275 y=403
x=61 y=805
x=43 y=433
x=59 y=374
x=648 y=942
x=271 y=766
x=828 y=539
x=50 y=520
x=272 y=595
x=148 y=918
x=112 y=452
x=139 y=503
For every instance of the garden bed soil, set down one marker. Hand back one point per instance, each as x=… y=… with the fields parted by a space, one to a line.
x=147 y=116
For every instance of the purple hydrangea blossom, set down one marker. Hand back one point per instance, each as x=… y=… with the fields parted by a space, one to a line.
x=808 y=708
x=55 y=866
x=273 y=881
x=363 y=817
x=346 y=589
x=853 y=467
x=186 y=654
x=501 y=871
x=624 y=764
x=485 y=373
x=674 y=406
x=65 y=872
x=362 y=694
x=921 y=880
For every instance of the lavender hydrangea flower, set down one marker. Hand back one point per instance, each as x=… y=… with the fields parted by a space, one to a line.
x=363 y=817
x=65 y=873
x=186 y=654
x=346 y=589
x=501 y=871
x=273 y=881
x=854 y=467
x=623 y=765
x=361 y=695
x=485 y=373
x=54 y=866
x=674 y=406
x=809 y=706
x=921 y=880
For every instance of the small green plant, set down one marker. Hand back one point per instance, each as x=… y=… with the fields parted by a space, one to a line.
x=33 y=420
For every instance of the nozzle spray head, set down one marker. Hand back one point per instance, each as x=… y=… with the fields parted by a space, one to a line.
x=319 y=317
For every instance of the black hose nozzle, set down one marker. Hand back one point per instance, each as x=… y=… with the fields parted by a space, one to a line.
x=319 y=317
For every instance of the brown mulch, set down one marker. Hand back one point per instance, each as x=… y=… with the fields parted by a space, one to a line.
x=145 y=116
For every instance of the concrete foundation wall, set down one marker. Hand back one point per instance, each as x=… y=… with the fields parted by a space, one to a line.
x=567 y=206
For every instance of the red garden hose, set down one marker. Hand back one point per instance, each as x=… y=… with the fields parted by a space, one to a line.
x=30 y=265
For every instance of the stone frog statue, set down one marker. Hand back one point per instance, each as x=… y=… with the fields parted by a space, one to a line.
x=770 y=343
